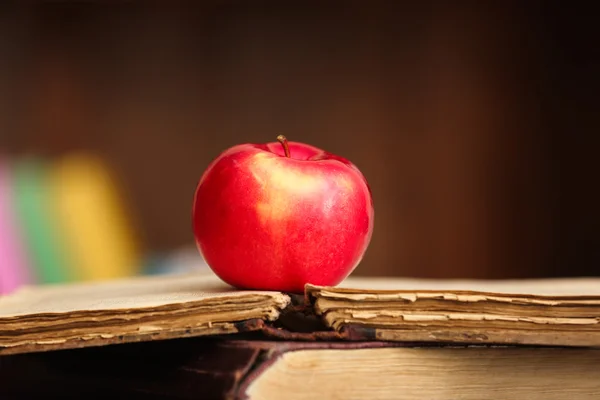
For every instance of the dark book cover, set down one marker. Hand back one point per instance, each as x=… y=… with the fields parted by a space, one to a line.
x=195 y=368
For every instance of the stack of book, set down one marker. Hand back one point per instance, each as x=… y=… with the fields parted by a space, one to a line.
x=191 y=336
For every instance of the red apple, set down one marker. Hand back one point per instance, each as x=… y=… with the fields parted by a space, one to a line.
x=277 y=216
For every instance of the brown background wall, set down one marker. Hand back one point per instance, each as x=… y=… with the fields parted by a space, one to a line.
x=476 y=125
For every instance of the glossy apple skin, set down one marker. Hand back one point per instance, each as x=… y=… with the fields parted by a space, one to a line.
x=265 y=221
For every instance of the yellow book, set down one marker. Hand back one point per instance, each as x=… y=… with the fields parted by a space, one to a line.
x=99 y=235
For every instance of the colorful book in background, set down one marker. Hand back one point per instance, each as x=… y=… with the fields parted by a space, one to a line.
x=14 y=267
x=64 y=220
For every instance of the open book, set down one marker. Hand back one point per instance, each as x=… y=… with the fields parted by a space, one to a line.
x=560 y=312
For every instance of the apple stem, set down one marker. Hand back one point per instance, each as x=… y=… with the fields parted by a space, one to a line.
x=286 y=148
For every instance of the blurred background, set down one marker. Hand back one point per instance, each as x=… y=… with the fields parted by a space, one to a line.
x=475 y=123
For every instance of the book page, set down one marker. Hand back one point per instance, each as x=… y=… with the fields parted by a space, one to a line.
x=540 y=287
x=122 y=294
